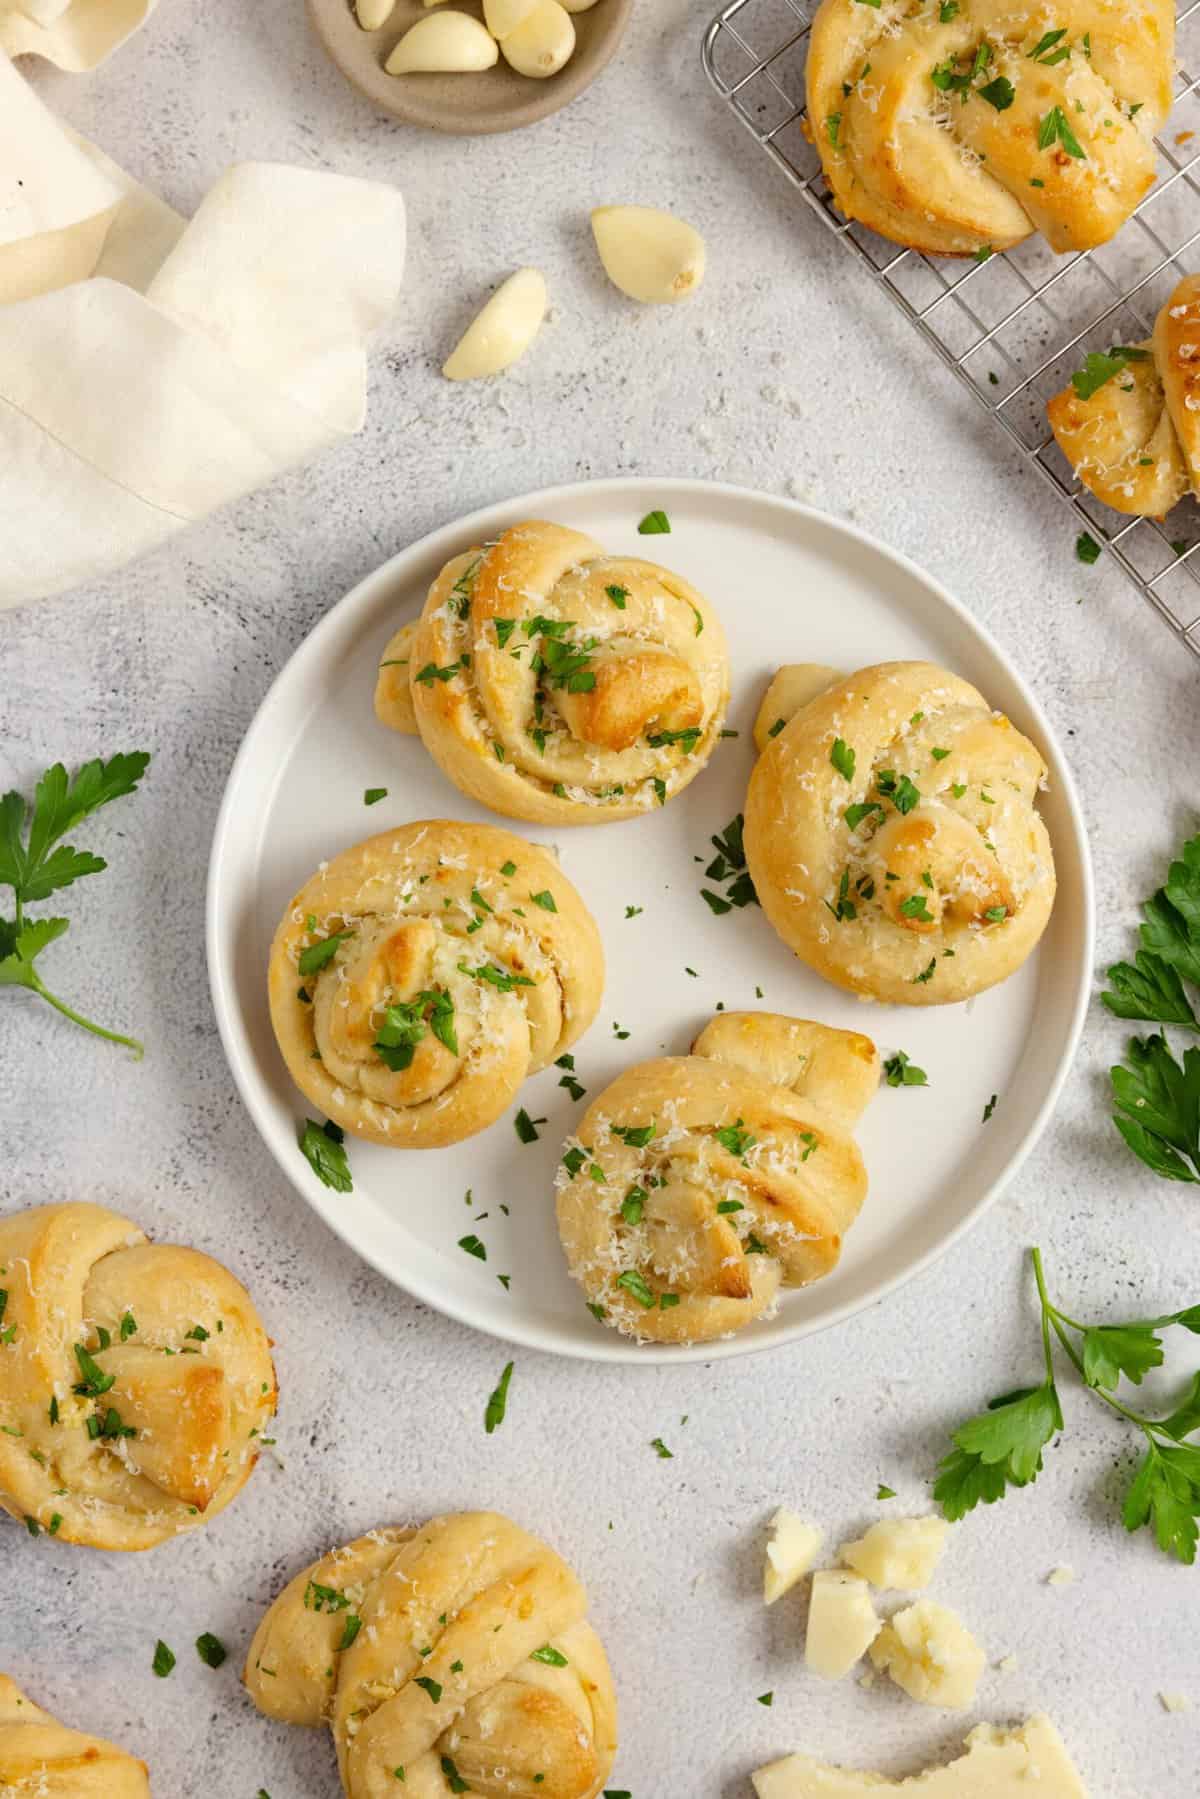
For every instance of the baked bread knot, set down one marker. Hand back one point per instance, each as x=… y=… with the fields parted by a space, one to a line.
x=135 y=1380
x=698 y=1186
x=1129 y=423
x=893 y=837
x=418 y=978
x=41 y=1758
x=454 y=1658
x=960 y=128
x=555 y=683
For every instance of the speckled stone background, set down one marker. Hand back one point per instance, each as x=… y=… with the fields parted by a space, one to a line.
x=789 y=373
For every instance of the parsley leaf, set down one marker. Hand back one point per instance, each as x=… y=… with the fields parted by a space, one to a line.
x=39 y=863
x=494 y=1412
x=1087 y=550
x=843 y=759
x=1099 y=368
x=1055 y=129
x=211 y=1650
x=324 y=1150
x=655 y=524
x=900 y=1072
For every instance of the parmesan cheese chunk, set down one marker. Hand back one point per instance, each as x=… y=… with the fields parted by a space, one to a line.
x=1019 y=1764
x=930 y=1653
x=842 y=1623
x=899 y=1552
x=791 y=1552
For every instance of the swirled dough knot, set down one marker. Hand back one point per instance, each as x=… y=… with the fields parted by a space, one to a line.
x=699 y=1185
x=135 y=1383
x=555 y=683
x=962 y=128
x=893 y=837
x=42 y=1759
x=418 y=978
x=459 y=1653
x=1134 y=438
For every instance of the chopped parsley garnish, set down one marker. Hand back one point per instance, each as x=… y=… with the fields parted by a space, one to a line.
x=566 y=664
x=635 y=1285
x=766 y=1698
x=431 y=673
x=504 y=629
x=1047 y=42
x=1100 y=367
x=544 y=899
x=903 y=794
x=432 y=1687
x=995 y=914
x=574 y=1160
x=164 y=1659
x=526 y=1127
x=854 y=815
x=655 y=524
x=660 y=789
x=373 y=795
x=687 y=739
x=128 y=1326
x=882 y=1492
x=636 y=1135
x=408 y=1022
x=1086 y=548
x=664 y=1454
x=926 y=973
x=915 y=907
x=725 y=1206
x=323 y=1148
x=473 y=1247
x=900 y=1072
x=1054 y=129
x=729 y=865
x=211 y=1650
x=736 y=1139
x=833 y=127
x=94 y=1380
x=843 y=758
x=553 y=1658
x=499 y=978
x=634 y=1204
x=618 y=596
x=999 y=93
x=315 y=957
x=939 y=755
x=634 y=911
x=493 y=1415
x=454 y=1779
x=989 y=1108
x=844 y=907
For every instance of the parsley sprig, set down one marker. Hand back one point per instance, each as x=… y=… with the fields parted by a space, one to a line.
x=1003 y=1446
x=1158 y=1096
x=37 y=862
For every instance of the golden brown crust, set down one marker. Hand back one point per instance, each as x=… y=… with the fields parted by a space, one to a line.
x=698 y=1185
x=927 y=875
x=165 y=1434
x=554 y=683
x=417 y=1647
x=493 y=974
x=45 y=1760
x=949 y=169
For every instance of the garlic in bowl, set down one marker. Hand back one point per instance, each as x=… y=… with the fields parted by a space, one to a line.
x=562 y=48
x=502 y=331
x=650 y=255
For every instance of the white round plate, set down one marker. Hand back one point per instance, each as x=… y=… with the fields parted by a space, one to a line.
x=790 y=585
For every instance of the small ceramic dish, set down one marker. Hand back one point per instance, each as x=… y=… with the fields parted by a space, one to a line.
x=498 y=99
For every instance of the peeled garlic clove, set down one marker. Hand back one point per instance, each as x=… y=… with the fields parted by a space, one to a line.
x=542 y=42
x=649 y=255
x=373 y=13
x=446 y=43
x=504 y=329
x=503 y=16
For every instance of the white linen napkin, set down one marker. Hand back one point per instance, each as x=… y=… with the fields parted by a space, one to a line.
x=152 y=369
x=76 y=34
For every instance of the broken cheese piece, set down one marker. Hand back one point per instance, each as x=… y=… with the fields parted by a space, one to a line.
x=898 y=1552
x=842 y=1623
x=793 y=1548
x=930 y=1653
x=1030 y=1763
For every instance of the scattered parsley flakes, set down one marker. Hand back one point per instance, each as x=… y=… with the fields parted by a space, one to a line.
x=373 y=795
x=210 y=1649
x=164 y=1659
x=664 y=1454
x=1086 y=548
x=323 y=1148
x=473 y=1247
x=317 y=955
x=634 y=911
x=635 y=1285
x=553 y=1658
x=843 y=759
x=900 y=1072
x=882 y=1492
x=544 y=899
x=766 y=1698
x=989 y=1108
x=618 y=596
x=526 y=1127
x=432 y=1687
x=497 y=1405
x=655 y=524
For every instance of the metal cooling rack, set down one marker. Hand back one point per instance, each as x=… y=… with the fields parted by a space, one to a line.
x=1013 y=327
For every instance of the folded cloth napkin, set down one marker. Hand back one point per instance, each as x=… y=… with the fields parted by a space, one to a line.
x=152 y=369
x=76 y=34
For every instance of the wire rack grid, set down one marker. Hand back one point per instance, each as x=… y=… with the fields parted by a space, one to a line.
x=1012 y=327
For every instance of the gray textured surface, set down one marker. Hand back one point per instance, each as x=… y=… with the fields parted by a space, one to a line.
x=786 y=373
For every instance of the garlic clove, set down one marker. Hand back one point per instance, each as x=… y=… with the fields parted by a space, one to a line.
x=650 y=255
x=373 y=13
x=503 y=16
x=503 y=330
x=542 y=42
x=445 y=43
